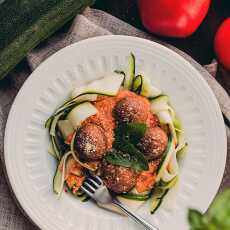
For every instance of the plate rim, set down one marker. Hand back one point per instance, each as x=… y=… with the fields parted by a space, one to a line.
x=29 y=81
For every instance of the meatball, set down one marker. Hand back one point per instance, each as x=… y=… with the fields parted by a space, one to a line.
x=152 y=120
x=90 y=142
x=131 y=109
x=117 y=178
x=153 y=143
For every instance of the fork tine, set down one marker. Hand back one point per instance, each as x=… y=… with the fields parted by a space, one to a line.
x=93 y=182
x=99 y=179
x=86 y=191
x=89 y=186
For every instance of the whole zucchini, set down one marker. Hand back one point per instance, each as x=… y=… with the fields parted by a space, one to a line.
x=24 y=24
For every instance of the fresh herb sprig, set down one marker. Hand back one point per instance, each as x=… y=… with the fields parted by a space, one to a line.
x=216 y=218
x=125 y=152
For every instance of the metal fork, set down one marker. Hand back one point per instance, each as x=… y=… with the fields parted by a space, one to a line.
x=94 y=187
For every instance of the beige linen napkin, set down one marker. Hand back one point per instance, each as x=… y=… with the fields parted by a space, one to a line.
x=90 y=24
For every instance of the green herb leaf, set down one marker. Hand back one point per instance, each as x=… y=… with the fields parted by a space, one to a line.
x=125 y=152
x=196 y=220
x=217 y=217
x=139 y=162
x=132 y=132
x=118 y=158
x=135 y=131
x=219 y=211
x=128 y=156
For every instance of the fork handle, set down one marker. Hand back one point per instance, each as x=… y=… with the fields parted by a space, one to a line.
x=135 y=217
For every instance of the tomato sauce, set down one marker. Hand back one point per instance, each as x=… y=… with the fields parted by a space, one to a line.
x=104 y=118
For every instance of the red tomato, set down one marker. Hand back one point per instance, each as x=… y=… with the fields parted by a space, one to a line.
x=174 y=18
x=222 y=44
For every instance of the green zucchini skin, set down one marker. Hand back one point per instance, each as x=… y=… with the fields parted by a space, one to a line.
x=138 y=197
x=24 y=24
x=156 y=201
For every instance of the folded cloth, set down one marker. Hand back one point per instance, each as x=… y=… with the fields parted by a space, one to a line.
x=89 y=24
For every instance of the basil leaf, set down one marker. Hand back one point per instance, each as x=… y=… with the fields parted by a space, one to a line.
x=195 y=219
x=130 y=131
x=217 y=217
x=141 y=163
x=128 y=156
x=219 y=211
x=118 y=158
x=135 y=131
x=125 y=152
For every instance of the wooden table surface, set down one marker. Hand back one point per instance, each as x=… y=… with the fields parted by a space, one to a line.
x=199 y=45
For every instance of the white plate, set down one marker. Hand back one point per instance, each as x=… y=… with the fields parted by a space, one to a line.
x=30 y=168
